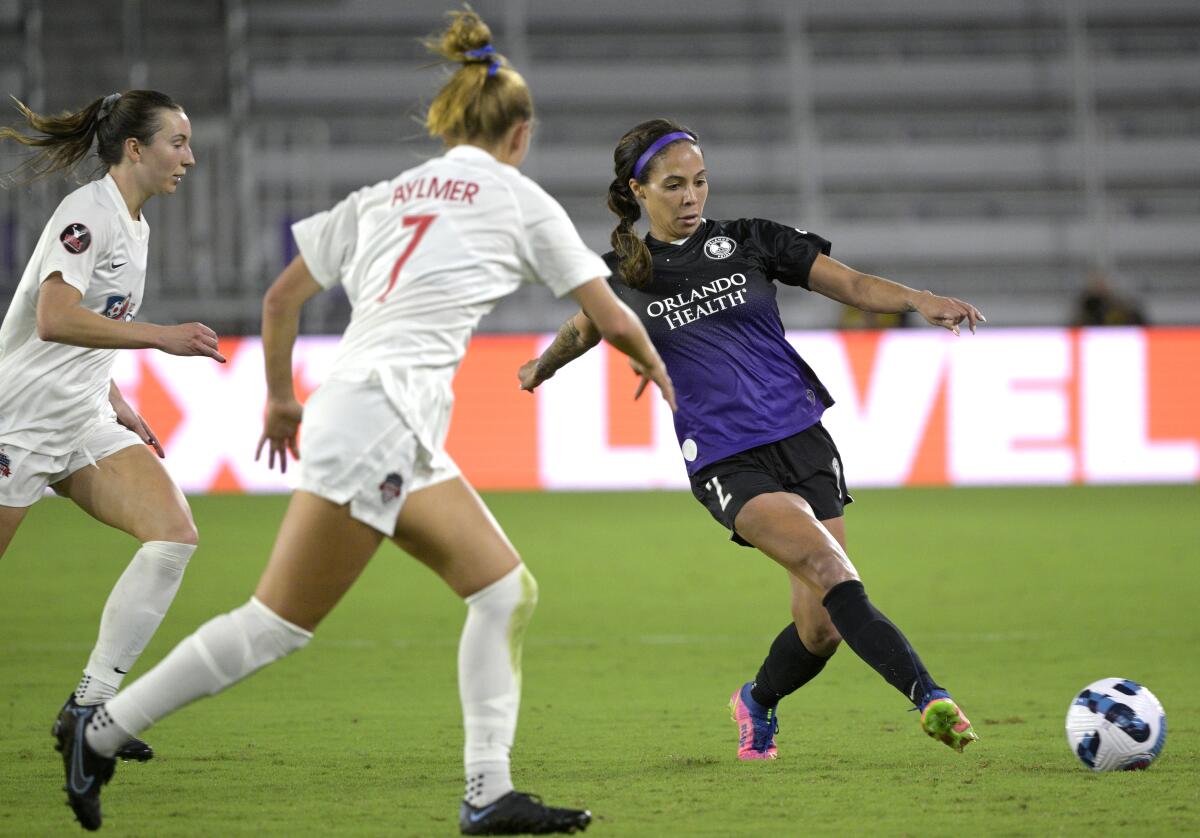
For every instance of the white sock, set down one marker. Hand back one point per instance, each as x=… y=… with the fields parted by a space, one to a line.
x=489 y=680
x=94 y=691
x=220 y=653
x=109 y=734
x=134 y=610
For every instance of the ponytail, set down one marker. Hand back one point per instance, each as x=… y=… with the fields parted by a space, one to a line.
x=65 y=139
x=485 y=96
x=633 y=256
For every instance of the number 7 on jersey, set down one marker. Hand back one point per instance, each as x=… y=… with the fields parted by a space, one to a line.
x=421 y=222
x=715 y=485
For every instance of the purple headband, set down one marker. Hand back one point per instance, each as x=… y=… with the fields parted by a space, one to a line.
x=656 y=147
x=487 y=51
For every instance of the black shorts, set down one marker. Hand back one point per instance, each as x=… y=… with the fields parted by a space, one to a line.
x=806 y=464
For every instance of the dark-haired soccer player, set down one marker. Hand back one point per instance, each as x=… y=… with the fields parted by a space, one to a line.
x=749 y=416
x=64 y=423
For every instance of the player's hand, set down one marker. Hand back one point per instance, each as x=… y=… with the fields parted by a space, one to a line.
x=530 y=376
x=190 y=339
x=948 y=312
x=657 y=374
x=281 y=429
x=131 y=419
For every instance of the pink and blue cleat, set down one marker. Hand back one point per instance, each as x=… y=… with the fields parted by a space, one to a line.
x=944 y=721
x=757 y=725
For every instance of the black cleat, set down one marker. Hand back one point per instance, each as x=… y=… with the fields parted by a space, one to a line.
x=135 y=749
x=86 y=770
x=518 y=813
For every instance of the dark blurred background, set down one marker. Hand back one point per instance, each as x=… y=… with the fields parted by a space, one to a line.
x=1022 y=154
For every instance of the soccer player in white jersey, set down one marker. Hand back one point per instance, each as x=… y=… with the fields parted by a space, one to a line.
x=422 y=257
x=64 y=423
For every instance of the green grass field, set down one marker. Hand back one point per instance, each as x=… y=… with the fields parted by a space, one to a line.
x=1015 y=598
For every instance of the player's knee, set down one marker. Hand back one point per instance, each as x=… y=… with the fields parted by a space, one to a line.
x=185 y=534
x=247 y=639
x=529 y=589
x=179 y=528
x=515 y=591
x=170 y=558
x=821 y=567
x=822 y=639
x=282 y=637
x=185 y=531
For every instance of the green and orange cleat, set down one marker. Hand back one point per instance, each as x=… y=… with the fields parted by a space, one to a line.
x=942 y=719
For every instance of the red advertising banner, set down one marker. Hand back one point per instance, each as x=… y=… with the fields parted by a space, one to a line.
x=1003 y=407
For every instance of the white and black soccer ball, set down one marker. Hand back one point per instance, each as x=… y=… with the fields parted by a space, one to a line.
x=1116 y=725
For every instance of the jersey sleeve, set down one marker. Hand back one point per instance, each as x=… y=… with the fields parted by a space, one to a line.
x=328 y=239
x=557 y=256
x=82 y=231
x=789 y=252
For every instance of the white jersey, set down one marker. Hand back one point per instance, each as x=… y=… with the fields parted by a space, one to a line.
x=423 y=257
x=51 y=390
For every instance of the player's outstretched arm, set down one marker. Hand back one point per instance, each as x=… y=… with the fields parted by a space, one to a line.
x=832 y=279
x=61 y=319
x=280 y=325
x=617 y=324
x=575 y=337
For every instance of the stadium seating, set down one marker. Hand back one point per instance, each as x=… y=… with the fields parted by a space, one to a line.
x=997 y=152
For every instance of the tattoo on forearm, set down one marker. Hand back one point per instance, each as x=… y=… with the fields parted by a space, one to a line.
x=570 y=333
x=567 y=346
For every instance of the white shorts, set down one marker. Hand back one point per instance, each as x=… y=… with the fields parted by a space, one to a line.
x=25 y=474
x=356 y=448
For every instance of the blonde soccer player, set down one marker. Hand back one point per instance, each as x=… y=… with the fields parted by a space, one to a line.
x=64 y=423
x=422 y=256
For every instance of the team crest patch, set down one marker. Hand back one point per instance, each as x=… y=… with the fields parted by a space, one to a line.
x=118 y=308
x=720 y=247
x=5 y=465
x=76 y=238
x=390 y=488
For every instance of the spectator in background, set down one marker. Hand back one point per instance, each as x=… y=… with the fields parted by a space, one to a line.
x=1099 y=304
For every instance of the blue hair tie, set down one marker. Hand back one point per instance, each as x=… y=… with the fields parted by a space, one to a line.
x=488 y=52
x=655 y=147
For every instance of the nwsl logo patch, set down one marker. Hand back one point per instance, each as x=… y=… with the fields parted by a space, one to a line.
x=720 y=247
x=390 y=488
x=76 y=238
x=118 y=308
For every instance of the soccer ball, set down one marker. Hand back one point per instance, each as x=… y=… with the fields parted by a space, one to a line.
x=1116 y=725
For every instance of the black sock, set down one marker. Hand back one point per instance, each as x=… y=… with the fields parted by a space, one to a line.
x=787 y=667
x=876 y=640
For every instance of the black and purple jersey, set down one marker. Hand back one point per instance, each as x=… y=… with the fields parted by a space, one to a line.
x=711 y=312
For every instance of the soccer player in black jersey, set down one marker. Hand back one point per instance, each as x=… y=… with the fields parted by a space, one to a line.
x=749 y=410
